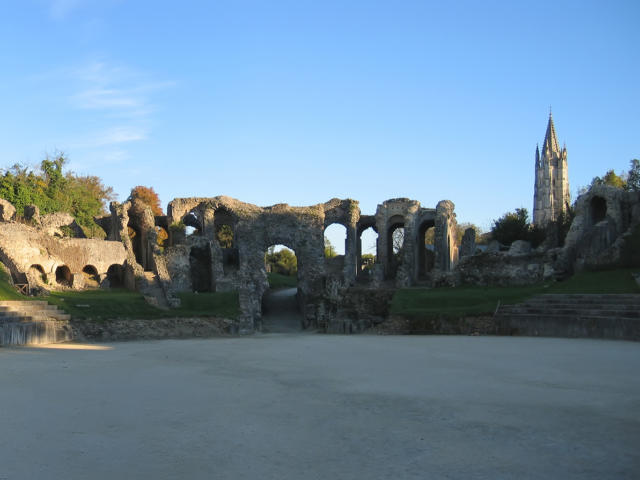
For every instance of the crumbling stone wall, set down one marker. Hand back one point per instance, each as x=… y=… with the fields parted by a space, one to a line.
x=22 y=246
x=198 y=261
x=604 y=217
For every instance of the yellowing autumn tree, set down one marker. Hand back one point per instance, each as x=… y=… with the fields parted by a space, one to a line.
x=148 y=196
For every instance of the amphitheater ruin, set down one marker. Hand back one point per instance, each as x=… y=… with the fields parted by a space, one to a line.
x=130 y=256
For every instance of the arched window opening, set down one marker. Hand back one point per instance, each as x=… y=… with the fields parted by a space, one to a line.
x=335 y=240
x=200 y=263
x=395 y=244
x=426 y=249
x=63 y=276
x=115 y=276
x=193 y=223
x=36 y=274
x=367 y=253
x=224 y=227
x=280 y=303
x=598 y=207
x=91 y=277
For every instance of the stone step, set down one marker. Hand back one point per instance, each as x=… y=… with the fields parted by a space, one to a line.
x=19 y=316
x=570 y=311
x=20 y=303
x=619 y=299
x=569 y=326
x=582 y=306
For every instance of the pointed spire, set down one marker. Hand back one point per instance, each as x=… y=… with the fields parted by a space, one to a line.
x=550 y=138
x=537 y=155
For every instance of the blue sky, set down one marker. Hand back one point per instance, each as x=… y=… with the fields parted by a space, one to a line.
x=301 y=101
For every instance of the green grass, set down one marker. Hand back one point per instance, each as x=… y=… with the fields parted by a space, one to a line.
x=119 y=303
x=460 y=301
x=277 y=280
x=8 y=291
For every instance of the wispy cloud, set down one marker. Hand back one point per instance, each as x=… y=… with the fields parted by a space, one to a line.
x=110 y=106
x=115 y=89
x=112 y=136
x=60 y=9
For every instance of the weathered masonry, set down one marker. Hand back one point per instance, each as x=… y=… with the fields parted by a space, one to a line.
x=219 y=244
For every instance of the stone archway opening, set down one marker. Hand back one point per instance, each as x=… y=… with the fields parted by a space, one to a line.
x=335 y=240
x=115 y=276
x=280 y=302
x=367 y=252
x=36 y=274
x=426 y=247
x=395 y=244
x=224 y=226
x=193 y=223
x=63 y=276
x=200 y=266
x=598 y=209
x=91 y=277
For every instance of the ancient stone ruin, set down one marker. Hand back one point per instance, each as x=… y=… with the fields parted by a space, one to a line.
x=193 y=258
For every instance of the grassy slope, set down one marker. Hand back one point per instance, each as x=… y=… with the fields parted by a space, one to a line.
x=119 y=303
x=8 y=291
x=421 y=302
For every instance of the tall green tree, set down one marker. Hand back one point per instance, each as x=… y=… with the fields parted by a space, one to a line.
x=633 y=177
x=53 y=190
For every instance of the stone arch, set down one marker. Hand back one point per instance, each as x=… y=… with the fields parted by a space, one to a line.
x=91 y=276
x=224 y=231
x=597 y=209
x=115 y=276
x=36 y=273
x=339 y=231
x=281 y=305
x=395 y=242
x=63 y=276
x=366 y=228
x=426 y=246
x=193 y=222
x=200 y=267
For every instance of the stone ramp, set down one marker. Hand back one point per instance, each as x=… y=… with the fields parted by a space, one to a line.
x=281 y=313
x=573 y=315
x=152 y=291
x=32 y=323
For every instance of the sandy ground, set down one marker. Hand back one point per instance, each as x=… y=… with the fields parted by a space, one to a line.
x=287 y=406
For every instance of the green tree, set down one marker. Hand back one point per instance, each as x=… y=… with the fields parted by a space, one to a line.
x=52 y=190
x=283 y=261
x=224 y=234
x=610 y=178
x=329 y=249
x=633 y=177
x=511 y=226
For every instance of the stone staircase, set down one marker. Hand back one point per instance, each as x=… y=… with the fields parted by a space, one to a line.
x=577 y=315
x=32 y=323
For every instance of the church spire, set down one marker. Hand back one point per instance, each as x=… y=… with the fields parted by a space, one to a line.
x=550 y=139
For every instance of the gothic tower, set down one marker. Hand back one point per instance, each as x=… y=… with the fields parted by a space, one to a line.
x=551 y=191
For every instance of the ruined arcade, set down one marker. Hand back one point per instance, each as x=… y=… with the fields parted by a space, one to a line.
x=194 y=259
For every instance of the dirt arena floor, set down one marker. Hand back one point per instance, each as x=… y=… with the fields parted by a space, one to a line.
x=306 y=406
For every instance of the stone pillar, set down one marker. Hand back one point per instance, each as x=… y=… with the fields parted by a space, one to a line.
x=445 y=236
x=351 y=254
x=468 y=246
